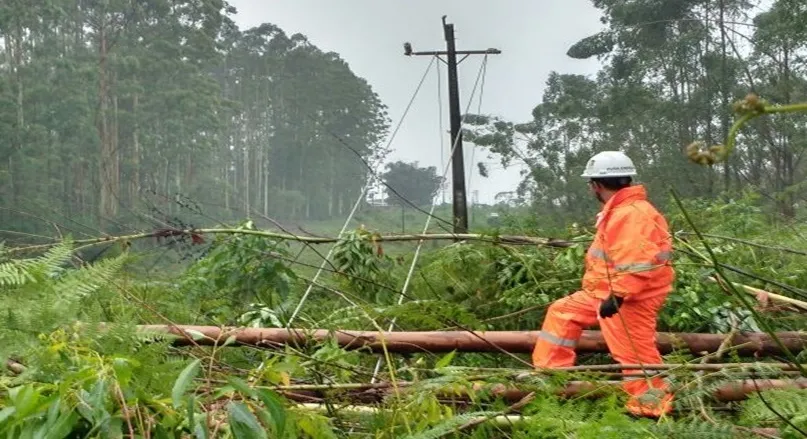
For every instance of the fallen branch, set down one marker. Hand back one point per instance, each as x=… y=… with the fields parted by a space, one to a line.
x=482 y=419
x=195 y=234
x=763 y=296
x=465 y=341
x=751 y=369
x=747 y=242
x=376 y=392
x=348 y=387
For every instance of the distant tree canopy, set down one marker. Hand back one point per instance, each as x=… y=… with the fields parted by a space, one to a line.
x=672 y=70
x=413 y=183
x=111 y=111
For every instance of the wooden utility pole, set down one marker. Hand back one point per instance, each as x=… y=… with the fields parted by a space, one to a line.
x=459 y=197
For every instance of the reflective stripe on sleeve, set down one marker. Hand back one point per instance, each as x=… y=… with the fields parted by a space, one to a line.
x=662 y=257
x=567 y=342
x=634 y=267
x=598 y=253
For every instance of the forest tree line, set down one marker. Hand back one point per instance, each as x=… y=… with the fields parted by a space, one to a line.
x=671 y=71
x=113 y=112
x=121 y=112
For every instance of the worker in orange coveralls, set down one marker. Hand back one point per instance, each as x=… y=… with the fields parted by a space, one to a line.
x=626 y=281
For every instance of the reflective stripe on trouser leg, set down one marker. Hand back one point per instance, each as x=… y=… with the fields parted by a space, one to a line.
x=631 y=338
x=563 y=324
x=568 y=342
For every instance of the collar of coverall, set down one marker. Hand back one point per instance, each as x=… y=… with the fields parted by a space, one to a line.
x=630 y=193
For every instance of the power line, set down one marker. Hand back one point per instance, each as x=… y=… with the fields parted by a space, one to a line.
x=361 y=195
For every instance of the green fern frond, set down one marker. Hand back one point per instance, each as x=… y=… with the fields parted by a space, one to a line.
x=349 y=316
x=55 y=257
x=16 y=273
x=441 y=382
x=431 y=314
x=450 y=425
x=788 y=403
x=19 y=272
x=146 y=336
x=89 y=279
x=695 y=428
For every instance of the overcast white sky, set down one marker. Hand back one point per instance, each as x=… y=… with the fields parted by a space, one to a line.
x=533 y=36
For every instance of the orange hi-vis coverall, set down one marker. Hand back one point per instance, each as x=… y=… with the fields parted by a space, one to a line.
x=630 y=258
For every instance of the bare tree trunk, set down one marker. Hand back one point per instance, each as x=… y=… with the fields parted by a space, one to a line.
x=114 y=141
x=227 y=175
x=246 y=176
x=724 y=94
x=787 y=171
x=332 y=189
x=190 y=166
x=18 y=132
x=166 y=172
x=266 y=188
x=259 y=174
x=134 y=191
x=108 y=207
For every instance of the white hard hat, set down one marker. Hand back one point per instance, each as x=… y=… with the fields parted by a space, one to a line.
x=609 y=164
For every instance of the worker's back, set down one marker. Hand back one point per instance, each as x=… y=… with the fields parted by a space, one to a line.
x=631 y=248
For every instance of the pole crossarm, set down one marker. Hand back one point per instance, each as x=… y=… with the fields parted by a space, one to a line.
x=467 y=53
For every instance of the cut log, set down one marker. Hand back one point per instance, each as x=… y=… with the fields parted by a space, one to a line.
x=465 y=341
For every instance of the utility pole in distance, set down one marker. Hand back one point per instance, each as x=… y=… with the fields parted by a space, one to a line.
x=459 y=196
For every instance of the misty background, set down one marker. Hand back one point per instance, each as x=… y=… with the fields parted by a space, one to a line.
x=128 y=116
x=532 y=35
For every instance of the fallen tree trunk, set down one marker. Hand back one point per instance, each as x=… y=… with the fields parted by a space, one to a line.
x=465 y=341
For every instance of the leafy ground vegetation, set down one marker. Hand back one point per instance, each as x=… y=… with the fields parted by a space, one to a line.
x=120 y=118
x=77 y=366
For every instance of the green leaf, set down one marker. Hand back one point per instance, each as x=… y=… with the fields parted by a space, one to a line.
x=196 y=335
x=230 y=340
x=197 y=424
x=446 y=360
x=123 y=370
x=7 y=413
x=241 y=386
x=200 y=430
x=113 y=428
x=316 y=426
x=223 y=391
x=25 y=399
x=183 y=382
x=276 y=409
x=243 y=424
x=63 y=426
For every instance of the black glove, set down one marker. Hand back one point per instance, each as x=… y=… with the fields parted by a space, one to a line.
x=609 y=306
